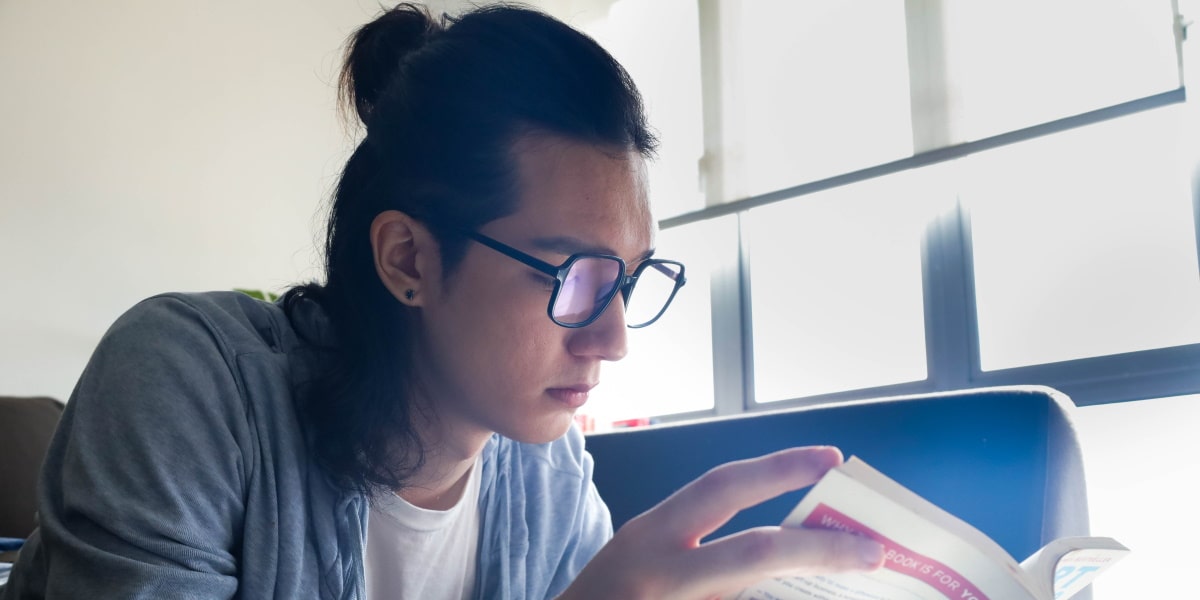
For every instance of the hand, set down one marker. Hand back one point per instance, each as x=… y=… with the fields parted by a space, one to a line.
x=658 y=554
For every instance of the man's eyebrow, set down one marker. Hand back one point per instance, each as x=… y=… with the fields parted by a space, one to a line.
x=567 y=245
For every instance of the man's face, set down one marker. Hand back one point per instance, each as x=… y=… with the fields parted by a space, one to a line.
x=491 y=360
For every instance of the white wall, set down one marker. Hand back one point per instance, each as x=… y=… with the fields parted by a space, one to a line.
x=148 y=146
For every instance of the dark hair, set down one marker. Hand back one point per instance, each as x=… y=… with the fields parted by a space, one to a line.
x=443 y=103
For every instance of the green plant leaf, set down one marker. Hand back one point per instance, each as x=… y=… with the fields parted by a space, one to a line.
x=258 y=294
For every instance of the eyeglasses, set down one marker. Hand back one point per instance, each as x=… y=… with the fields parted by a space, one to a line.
x=586 y=283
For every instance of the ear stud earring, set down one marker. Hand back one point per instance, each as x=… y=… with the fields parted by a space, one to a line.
x=408 y=294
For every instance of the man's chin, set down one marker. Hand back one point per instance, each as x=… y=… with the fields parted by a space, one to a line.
x=545 y=433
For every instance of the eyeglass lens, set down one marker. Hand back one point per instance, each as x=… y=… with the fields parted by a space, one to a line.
x=655 y=284
x=590 y=282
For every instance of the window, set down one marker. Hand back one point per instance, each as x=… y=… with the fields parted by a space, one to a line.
x=1084 y=243
x=1059 y=58
x=1024 y=216
x=836 y=297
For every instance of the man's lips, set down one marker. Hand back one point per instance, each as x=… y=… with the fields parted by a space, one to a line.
x=574 y=396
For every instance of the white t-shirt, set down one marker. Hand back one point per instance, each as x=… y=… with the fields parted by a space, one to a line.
x=414 y=553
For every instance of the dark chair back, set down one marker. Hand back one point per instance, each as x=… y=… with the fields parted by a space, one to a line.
x=26 y=426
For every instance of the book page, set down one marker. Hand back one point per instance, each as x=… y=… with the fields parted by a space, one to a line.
x=925 y=557
x=1069 y=564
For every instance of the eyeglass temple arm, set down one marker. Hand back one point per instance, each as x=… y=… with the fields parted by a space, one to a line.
x=509 y=251
x=665 y=270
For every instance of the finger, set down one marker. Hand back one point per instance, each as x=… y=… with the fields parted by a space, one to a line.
x=745 y=558
x=706 y=503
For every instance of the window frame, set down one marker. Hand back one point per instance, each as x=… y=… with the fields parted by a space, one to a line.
x=950 y=316
x=951 y=321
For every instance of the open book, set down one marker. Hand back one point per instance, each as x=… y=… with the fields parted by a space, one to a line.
x=929 y=553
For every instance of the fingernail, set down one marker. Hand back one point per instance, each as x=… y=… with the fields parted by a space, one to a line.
x=828 y=456
x=871 y=552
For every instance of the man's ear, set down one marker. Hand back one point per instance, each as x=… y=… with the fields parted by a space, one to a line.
x=406 y=255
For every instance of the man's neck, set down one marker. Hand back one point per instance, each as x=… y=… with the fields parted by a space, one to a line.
x=450 y=455
x=439 y=493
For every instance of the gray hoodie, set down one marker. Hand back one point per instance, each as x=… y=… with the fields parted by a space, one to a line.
x=180 y=470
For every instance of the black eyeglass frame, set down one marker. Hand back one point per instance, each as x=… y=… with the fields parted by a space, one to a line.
x=625 y=283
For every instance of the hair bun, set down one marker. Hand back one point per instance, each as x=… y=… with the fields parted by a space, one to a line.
x=376 y=52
